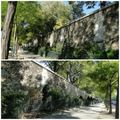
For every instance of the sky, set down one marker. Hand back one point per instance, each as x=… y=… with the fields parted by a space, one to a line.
x=42 y=63
x=88 y=11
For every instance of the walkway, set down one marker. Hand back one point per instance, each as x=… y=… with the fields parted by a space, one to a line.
x=22 y=54
x=97 y=111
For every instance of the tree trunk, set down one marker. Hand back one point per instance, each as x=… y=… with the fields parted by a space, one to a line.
x=6 y=33
x=107 y=98
x=16 y=47
x=117 y=103
x=14 y=39
x=110 y=96
x=110 y=93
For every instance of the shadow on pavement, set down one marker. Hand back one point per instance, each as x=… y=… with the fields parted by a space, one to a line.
x=61 y=115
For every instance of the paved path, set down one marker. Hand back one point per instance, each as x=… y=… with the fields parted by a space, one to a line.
x=22 y=54
x=93 y=112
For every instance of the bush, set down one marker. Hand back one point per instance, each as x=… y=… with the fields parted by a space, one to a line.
x=59 y=99
x=12 y=104
x=112 y=54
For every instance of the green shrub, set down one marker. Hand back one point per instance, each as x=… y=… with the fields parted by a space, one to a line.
x=112 y=54
x=12 y=104
x=59 y=100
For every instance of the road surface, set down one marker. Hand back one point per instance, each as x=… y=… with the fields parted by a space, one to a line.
x=97 y=111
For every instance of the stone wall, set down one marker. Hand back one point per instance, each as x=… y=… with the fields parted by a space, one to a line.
x=94 y=32
x=29 y=78
x=32 y=75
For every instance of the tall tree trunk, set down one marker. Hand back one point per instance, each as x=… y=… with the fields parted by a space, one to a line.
x=107 y=98
x=110 y=96
x=117 y=103
x=110 y=93
x=14 y=39
x=16 y=47
x=6 y=33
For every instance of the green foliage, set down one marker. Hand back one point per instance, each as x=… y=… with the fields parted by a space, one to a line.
x=35 y=23
x=92 y=76
x=103 y=75
x=112 y=54
x=4 y=5
x=25 y=19
x=87 y=50
x=60 y=100
x=12 y=104
x=43 y=18
x=57 y=97
x=77 y=9
x=57 y=11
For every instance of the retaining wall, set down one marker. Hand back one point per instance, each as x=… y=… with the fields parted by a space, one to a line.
x=29 y=78
x=99 y=29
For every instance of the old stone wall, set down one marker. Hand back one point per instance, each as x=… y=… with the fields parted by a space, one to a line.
x=32 y=75
x=28 y=78
x=95 y=32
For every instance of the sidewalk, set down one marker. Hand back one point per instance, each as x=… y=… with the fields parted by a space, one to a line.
x=97 y=111
x=22 y=54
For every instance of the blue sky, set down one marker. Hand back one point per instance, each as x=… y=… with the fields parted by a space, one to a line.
x=87 y=11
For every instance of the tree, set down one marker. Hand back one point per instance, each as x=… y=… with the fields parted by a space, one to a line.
x=44 y=17
x=57 y=10
x=77 y=9
x=69 y=70
x=56 y=66
x=105 y=75
x=7 y=29
x=36 y=23
x=99 y=79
